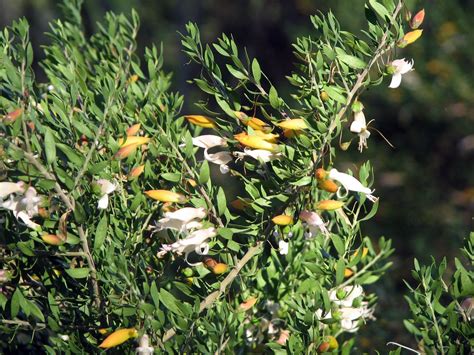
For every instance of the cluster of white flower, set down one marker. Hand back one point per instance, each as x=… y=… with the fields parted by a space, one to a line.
x=349 y=308
x=22 y=200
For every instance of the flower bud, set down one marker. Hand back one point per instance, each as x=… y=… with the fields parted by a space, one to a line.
x=12 y=116
x=324 y=96
x=133 y=140
x=357 y=106
x=133 y=78
x=209 y=262
x=136 y=171
x=320 y=174
x=282 y=220
x=341 y=294
x=294 y=124
x=417 y=20
x=333 y=344
x=323 y=347
x=348 y=272
x=248 y=303
x=328 y=185
x=188 y=272
x=133 y=130
x=165 y=196
x=329 y=205
x=255 y=141
x=126 y=151
x=118 y=337
x=241 y=204
x=52 y=239
x=409 y=38
x=201 y=121
x=220 y=268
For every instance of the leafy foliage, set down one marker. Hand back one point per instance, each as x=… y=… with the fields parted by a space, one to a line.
x=442 y=310
x=99 y=158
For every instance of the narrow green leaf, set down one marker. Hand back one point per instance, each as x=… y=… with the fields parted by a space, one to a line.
x=49 y=146
x=101 y=232
x=78 y=273
x=256 y=71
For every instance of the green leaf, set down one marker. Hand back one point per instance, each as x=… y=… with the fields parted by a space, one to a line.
x=273 y=98
x=49 y=146
x=204 y=172
x=256 y=71
x=221 y=201
x=173 y=177
x=35 y=311
x=338 y=244
x=169 y=302
x=78 y=273
x=101 y=232
x=340 y=267
x=379 y=9
x=306 y=180
x=352 y=61
x=15 y=303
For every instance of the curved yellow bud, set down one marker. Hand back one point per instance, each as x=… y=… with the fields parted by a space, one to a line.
x=253 y=122
x=294 y=124
x=52 y=239
x=201 y=121
x=282 y=220
x=165 y=196
x=133 y=130
x=255 y=142
x=269 y=137
x=329 y=205
x=248 y=303
x=118 y=337
x=131 y=140
x=136 y=171
x=409 y=38
x=126 y=151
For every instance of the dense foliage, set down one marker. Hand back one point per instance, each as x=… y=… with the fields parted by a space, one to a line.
x=116 y=225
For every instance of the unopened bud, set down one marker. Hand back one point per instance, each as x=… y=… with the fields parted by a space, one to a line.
x=357 y=106
x=329 y=205
x=417 y=20
x=320 y=174
x=328 y=185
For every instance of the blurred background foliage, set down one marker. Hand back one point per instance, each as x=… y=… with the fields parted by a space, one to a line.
x=426 y=182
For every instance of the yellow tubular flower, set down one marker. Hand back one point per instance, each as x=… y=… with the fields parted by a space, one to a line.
x=165 y=196
x=269 y=137
x=254 y=122
x=131 y=140
x=255 y=142
x=201 y=121
x=294 y=124
x=118 y=337
x=126 y=151
x=329 y=205
x=282 y=220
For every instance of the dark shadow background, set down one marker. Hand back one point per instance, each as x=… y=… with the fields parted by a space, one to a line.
x=426 y=182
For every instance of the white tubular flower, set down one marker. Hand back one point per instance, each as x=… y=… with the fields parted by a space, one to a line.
x=314 y=222
x=183 y=219
x=209 y=141
x=398 y=68
x=144 y=347
x=283 y=247
x=195 y=242
x=350 y=183
x=24 y=206
x=106 y=188
x=263 y=156
x=359 y=126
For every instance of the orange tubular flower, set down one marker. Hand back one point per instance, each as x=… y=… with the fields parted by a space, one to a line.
x=248 y=303
x=417 y=20
x=126 y=151
x=201 y=121
x=293 y=124
x=329 y=205
x=165 y=196
x=52 y=239
x=118 y=337
x=133 y=130
x=409 y=38
x=253 y=122
x=256 y=142
x=136 y=171
x=282 y=220
x=11 y=117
